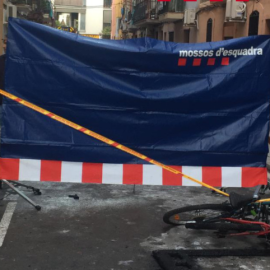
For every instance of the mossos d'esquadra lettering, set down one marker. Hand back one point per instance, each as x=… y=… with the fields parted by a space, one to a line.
x=221 y=52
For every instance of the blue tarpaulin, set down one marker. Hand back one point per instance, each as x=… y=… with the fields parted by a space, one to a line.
x=203 y=104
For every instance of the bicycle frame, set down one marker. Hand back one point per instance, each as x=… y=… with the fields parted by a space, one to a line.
x=258 y=203
x=261 y=201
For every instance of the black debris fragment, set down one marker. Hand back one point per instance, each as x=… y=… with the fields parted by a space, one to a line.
x=184 y=259
x=75 y=197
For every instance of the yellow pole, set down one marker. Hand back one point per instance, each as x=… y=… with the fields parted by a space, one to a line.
x=104 y=139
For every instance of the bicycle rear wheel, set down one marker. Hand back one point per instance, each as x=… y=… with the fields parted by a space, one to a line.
x=196 y=214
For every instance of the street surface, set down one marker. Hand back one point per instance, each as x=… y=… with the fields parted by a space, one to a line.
x=109 y=228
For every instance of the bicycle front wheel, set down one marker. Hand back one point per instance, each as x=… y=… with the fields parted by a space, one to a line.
x=196 y=214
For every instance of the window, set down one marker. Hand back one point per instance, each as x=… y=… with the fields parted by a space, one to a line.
x=84 y=3
x=107 y=3
x=267 y=32
x=10 y=11
x=153 y=4
x=165 y=36
x=209 y=30
x=171 y=36
x=107 y=16
x=82 y=22
x=186 y=36
x=253 y=23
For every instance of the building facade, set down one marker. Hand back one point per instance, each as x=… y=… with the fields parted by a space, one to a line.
x=87 y=17
x=189 y=22
x=160 y=20
x=117 y=8
x=40 y=11
x=148 y=18
x=98 y=17
x=215 y=24
x=7 y=9
x=70 y=13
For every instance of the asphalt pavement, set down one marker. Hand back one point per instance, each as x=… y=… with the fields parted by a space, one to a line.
x=109 y=228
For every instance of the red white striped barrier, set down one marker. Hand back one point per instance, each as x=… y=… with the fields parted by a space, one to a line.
x=146 y=174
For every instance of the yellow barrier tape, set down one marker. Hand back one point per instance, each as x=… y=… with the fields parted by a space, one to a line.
x=104 y=139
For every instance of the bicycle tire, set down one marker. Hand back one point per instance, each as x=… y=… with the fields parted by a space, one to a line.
x=167 y=218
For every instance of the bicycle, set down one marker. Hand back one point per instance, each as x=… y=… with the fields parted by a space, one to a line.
x=244 y=214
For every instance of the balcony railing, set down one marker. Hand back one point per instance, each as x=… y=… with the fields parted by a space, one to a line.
x=150 y=9
x=172 y=6
x=145 y=9
x=140 y=11
x=69 y=2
